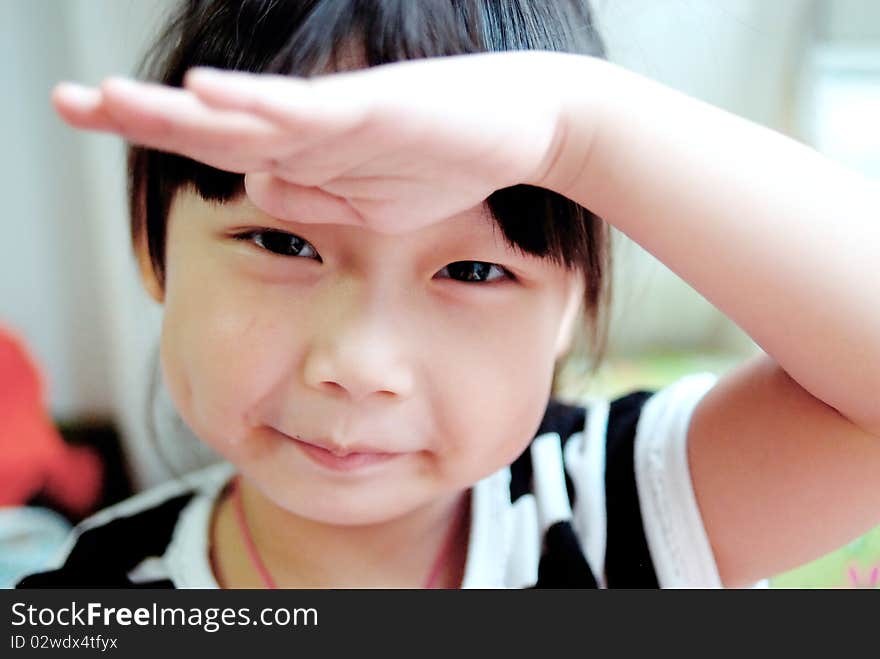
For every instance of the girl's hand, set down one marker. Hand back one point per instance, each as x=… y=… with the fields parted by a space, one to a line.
x=394 y=147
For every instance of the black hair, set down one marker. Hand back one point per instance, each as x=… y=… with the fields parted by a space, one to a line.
x=307 y=37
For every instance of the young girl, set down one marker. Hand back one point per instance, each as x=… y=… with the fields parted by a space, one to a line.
x=369 y=276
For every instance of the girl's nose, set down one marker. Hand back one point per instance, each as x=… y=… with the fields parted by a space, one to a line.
x=360 y=360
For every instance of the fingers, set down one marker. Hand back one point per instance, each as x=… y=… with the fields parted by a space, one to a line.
x=237 y=122
x=174 y=113
x=172 y=119
x=81 y=107
x=298 y=203
x=298 y=104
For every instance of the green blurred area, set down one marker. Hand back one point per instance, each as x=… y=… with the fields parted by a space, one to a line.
x=849 y=566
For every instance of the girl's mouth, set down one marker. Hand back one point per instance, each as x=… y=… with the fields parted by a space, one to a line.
x=348 y=462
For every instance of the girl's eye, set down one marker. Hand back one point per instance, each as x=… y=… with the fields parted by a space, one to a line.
x=288 y=244
x=280 y=242
x=475 y=271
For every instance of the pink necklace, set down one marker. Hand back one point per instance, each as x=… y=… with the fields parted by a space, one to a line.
x=269 y=582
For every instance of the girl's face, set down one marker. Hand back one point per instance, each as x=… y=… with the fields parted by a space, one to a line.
x=437 y=345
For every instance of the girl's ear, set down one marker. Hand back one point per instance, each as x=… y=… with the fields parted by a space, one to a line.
x=570 y=315
x=148 y=274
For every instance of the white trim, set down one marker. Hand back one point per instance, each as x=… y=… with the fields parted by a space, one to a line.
x=548 y=477
x=187 y=556
x=674 y=528
x=585 y=458
x=152 y=568
x=521 y=566
x=490 y=539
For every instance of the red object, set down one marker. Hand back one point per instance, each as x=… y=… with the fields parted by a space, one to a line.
x=34 y=459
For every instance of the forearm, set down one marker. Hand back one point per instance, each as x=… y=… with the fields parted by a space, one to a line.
x=783 y=241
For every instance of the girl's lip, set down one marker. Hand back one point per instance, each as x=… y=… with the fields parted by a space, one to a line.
x=350 y=462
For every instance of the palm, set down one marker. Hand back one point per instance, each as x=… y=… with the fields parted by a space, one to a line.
x=393 y=147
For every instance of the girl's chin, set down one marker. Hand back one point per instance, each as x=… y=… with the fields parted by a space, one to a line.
x=327 y=505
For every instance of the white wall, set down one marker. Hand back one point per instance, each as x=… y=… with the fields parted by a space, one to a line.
x=67 y=279
x=849 y=20
x=741 y=55
x=47 y=246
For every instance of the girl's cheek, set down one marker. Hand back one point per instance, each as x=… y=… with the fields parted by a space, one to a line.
x=218 y=360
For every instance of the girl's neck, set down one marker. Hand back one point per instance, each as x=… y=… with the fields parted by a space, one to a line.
x=302 y=553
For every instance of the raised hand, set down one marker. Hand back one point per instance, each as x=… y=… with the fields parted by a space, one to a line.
x=392 y=147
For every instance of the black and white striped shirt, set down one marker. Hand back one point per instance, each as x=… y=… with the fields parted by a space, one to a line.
x=602 y=497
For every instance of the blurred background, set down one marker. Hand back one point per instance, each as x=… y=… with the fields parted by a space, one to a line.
x=69 y=292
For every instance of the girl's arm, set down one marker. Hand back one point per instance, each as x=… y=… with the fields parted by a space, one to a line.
x=784 y=451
